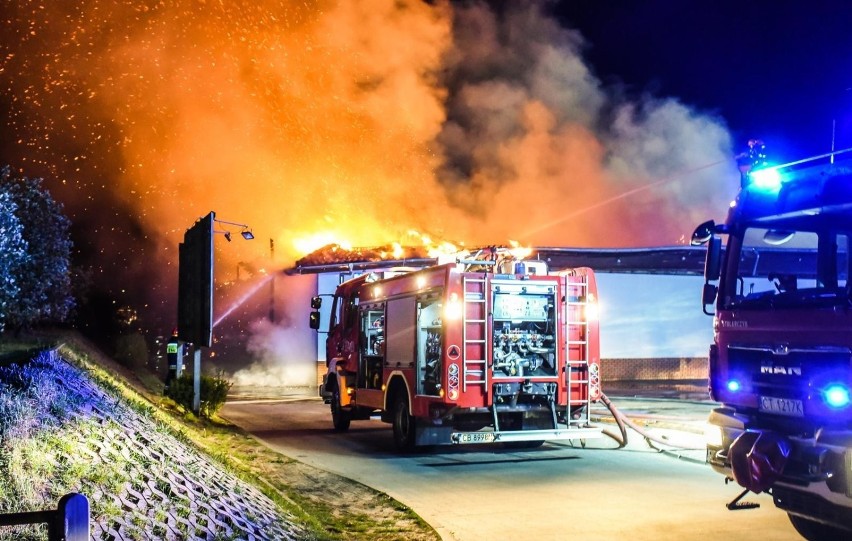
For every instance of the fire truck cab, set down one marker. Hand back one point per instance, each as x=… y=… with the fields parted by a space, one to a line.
x=452 y=356
x=781 y=361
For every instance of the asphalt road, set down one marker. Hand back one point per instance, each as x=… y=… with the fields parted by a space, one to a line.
x=558 y=491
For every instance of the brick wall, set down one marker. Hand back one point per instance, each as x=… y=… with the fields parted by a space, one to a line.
x=654 y=369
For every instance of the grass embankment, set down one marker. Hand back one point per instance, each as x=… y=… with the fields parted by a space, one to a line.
x=34 y=470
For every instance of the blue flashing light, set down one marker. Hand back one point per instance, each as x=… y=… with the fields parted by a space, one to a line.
x=733 y=385
x=768 y=179
x=836 y=395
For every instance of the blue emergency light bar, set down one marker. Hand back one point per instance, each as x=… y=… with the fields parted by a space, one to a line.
x=768 y=179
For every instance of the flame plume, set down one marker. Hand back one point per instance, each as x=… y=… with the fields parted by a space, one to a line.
x=368 y=118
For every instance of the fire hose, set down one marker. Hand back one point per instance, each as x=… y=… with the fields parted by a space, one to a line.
x=623 y=423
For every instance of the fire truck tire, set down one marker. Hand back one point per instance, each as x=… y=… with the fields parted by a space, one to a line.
x=339 y=417
x=816 y=531
x=404 y=434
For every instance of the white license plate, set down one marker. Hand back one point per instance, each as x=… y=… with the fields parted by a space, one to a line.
x=783 y=406
x=474 y=437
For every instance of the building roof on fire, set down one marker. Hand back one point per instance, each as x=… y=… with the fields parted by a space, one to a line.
x=686 y=260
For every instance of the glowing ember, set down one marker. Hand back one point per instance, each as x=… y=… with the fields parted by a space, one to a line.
x=472 y=120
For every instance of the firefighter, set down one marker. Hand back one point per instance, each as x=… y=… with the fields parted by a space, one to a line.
x=174 y=353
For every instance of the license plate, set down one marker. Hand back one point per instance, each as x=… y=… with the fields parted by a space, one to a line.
x=475 y=437
x=783 y=406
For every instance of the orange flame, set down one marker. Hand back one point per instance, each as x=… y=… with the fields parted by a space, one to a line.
x=314 y=241
x=518 y=251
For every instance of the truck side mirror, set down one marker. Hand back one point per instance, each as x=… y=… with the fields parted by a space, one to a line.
x=713 y=263
x=708 y=296
x=703 y=233
x=316 y=302
x=314 y=321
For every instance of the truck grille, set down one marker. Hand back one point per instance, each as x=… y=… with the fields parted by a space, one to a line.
x=785 y=372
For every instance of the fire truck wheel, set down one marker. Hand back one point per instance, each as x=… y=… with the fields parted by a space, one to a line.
x=339 y=417
x=403 y=425
x=816 y=531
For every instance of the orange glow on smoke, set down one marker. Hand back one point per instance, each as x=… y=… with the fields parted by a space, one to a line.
x=307 y=119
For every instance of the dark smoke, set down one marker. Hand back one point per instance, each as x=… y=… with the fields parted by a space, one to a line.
x=334 y=119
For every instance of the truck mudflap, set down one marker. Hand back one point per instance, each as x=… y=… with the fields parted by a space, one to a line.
x=490 y=436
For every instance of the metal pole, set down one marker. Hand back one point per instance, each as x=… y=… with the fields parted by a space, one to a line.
x=196 y=380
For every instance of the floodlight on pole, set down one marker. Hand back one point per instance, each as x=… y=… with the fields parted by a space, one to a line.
x=245 y=232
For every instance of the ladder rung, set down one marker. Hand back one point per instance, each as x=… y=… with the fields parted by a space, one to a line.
x=475 y=371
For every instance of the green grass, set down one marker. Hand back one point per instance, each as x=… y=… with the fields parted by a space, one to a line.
x=319 y=513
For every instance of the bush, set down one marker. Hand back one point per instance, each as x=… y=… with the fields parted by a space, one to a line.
x=214 y=392
x=132 y=351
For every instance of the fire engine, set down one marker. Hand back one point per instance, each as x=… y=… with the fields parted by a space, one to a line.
x=473 y=352
x=781 y=361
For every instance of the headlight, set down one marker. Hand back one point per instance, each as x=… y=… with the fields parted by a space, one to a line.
x=713 y=435
x=836 y=395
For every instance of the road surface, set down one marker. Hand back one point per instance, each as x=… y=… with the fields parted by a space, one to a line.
x=558 y=491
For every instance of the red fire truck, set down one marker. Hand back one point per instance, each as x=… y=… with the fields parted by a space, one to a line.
x=781 y=361
x=449 y=355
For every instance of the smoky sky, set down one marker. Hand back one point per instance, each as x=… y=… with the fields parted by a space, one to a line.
x=474 y=122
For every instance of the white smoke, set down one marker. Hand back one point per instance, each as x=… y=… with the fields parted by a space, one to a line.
x=284 y=352
x=282 y=360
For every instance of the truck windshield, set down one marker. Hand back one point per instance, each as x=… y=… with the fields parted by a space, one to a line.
x=784 y=268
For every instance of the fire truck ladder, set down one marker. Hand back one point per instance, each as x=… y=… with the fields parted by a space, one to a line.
x=474 y=329
x=577 y=369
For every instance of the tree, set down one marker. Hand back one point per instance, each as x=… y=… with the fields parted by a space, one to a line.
x=43 y=277
x=13 y=251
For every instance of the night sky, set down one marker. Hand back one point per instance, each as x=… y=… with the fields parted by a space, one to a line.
x=573 y=123
x=774 y=70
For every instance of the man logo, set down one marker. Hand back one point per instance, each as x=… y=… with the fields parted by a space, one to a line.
x=782 y=370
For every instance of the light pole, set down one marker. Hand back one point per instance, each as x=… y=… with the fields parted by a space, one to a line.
x=195 y=290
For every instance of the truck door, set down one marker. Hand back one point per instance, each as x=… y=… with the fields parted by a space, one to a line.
x=372 y=346
x=342 y=332
x=430 y=338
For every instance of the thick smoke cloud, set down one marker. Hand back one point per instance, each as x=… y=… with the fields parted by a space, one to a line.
x=533 y=137
x=356 y=120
